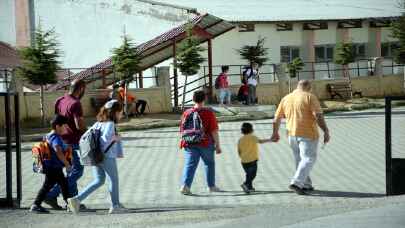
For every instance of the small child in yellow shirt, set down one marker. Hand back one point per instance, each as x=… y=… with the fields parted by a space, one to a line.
x=248 y=150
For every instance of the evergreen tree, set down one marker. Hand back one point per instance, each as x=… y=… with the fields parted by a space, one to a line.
x=256 y=53
x=126 y=61
x=293 y=68
x=189 y=57
x=40 y=62
x=344 y=55
x=398 y=32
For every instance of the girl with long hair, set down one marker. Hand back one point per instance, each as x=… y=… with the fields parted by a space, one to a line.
x=110 y=143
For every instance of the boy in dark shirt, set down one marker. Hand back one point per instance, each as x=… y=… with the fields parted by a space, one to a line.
x=53 y=167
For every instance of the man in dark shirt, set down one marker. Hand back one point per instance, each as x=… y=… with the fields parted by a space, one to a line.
x=70 y=107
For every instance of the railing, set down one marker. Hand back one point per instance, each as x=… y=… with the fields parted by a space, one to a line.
x=361 y=67
x=95 y=74
x=267 y=72
x=198 y=83
x=7 y=80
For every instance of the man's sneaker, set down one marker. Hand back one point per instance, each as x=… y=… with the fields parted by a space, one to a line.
x=245 y=188
x=297 y=189
x=308 y=189
x=214 y=189
x=117 y=210
x=252 y=189
x=74 y=205
x=185 y=190
x=53 y=202
x=81 y=208
x=38 y=209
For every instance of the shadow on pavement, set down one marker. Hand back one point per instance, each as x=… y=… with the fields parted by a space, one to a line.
x=153 y=209
x=124 y=138
x=319 y=193
x=238 y=193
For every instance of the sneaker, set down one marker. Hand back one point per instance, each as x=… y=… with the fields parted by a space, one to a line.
x=252 y=189
x=308 y=189
x=38 y=209
x=117 y=209
x=214 y=189
x=53 y=202
x=74 y=205
x=297 y=189
x=245 y=188
x=185 y=190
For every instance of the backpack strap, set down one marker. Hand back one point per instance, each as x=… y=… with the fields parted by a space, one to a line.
x=112 y=143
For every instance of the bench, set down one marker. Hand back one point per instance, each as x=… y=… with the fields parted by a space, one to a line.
x=98 y=102
x=342 y=90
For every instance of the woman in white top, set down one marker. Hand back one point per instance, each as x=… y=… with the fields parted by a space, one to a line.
x=108 y=116
x=252 y=77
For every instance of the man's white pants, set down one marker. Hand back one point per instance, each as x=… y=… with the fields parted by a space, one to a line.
x=304 y=151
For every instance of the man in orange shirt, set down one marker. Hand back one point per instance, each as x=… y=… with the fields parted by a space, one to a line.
x=133 y=103
x=303 y=115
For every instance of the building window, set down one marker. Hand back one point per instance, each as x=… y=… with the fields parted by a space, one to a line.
x=324 y=53
x=246 y=27
x=289 y=53
x=284 y=26
x=315 y=25
x=359 y=50
x=387 y=49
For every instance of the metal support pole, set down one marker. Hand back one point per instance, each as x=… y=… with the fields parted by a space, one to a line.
x=358 y=69
x=175 y=77
x=18 y=147
x=210 y=91
x=9 y=161
x=140 y=76
x=388 y=170
x=327 y=64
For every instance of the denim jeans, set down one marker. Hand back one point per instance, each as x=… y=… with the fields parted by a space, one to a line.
x=224 y=96
x=192 y=156
x=109 y=167
x=304 y=151
x=251 y=95
x=72 y=177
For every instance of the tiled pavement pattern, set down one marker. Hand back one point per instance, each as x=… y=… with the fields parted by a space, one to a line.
x=352 y=165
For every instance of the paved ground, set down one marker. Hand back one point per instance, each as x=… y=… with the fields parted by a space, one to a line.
x=349 y=176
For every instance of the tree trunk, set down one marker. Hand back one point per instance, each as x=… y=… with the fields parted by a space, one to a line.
x=346 y=71
x=184 y=92
x=125 y=100
x=41 y=105
x=404 y=79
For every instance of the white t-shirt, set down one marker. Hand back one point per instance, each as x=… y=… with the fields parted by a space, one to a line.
x=251 y=79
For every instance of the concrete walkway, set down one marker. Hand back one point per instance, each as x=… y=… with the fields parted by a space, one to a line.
x=350 y=172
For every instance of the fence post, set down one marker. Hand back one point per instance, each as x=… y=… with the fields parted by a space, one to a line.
x=388 y=173
x=327 y=64
x=358 y=68
x=313 y=70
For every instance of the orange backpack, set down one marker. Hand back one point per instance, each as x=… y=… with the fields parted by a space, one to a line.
x=40 y=152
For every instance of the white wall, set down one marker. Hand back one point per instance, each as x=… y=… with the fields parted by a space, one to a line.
x=359 y=35
x=88 y=30
x=386 y=35
x=7 y=22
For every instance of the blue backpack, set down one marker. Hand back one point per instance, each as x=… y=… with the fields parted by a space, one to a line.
x=192 y=127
